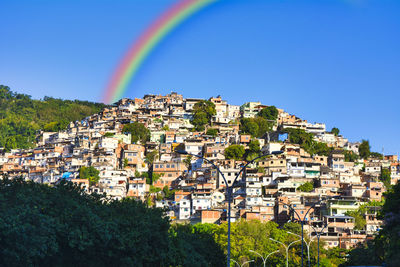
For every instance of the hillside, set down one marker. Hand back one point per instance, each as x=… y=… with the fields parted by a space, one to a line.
x=21 y=116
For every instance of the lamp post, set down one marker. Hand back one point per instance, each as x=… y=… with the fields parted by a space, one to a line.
x=318 y=235
x=287 y=249
x=308 y=247
x=302 y=221
x=242 y=263
x=266 y=258
x=229 y=189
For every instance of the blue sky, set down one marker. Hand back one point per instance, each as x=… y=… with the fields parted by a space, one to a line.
x=336 y=62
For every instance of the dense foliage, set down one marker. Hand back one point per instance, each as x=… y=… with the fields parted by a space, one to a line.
x=335 y=131
x=21 y=117
x=63 y=226
x=138 y=132
x=255 y=235
x=307 y=142
x=212 y=132
x=386 y=245
x=306 y=187
x=202 y=114
x=234 y=152
x=364 y=149
x=350 y=156
x=89 y=173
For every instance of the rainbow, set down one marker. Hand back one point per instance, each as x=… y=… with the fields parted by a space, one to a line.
x=142 y=47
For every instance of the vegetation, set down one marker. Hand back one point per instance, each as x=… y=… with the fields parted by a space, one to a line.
x=234 y=152
x=306 y=187
x=269 y=113
x=307 y=142
x=364 y=149
x=212 y=132
x=108 y=134
x=138 y=131
x=188 y=162
x=255 y=235
x=89 y=173
x=335 y=131
x=202 y=114
x=386 y=178
x=386 y=245
x=350 y=156
x=64 y=226
x=21 y=117
x=253 y=151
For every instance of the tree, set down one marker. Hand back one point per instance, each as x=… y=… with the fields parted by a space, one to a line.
x=108 y=134
x=138 y=131
x=350 y=156
x=306 y=141
x=126 y=162
x=90 y=173
x=212 y=132
x=234 y=152
x=306 y=187
x=151 y=156
x=385 y=177
x=269 y=113
x=364 y=150
x=21 y=117
x=64 y=226
x=253 y=151
x=248 y=126
x=188 y=162
x=335 y=131
x=202 y=114
x=254 y=146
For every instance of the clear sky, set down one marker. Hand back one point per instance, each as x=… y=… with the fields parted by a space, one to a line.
x=331 y=61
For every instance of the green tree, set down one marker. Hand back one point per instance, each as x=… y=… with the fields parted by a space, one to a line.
x=306 y=187
x=386 y=178
x=21 y=117
x=151 y=156
x=202 y=114
x=335 y=131
x=269 y=113
x=248 y=126
x=126 y=162
x=188 y=162
x=234 y=152
x=90 y=173
x=306 y=141
x=212 y=132
x=64 y=226
x=364 y=150
x=350 y=156
x=138 y=131
x=108 y=134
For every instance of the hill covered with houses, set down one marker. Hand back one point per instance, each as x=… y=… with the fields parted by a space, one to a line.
x=134 y=149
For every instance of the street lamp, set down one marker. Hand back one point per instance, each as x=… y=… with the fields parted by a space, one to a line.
x=302 y=221
x=242 y=263
x=318 y=235
x=228 y=189
x=266 y=258
x=287 y=249
x=307 y=244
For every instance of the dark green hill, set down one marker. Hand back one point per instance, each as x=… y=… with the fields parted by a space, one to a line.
x=21 y=116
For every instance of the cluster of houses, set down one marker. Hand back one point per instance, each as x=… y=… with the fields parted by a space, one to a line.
x=266 y=190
